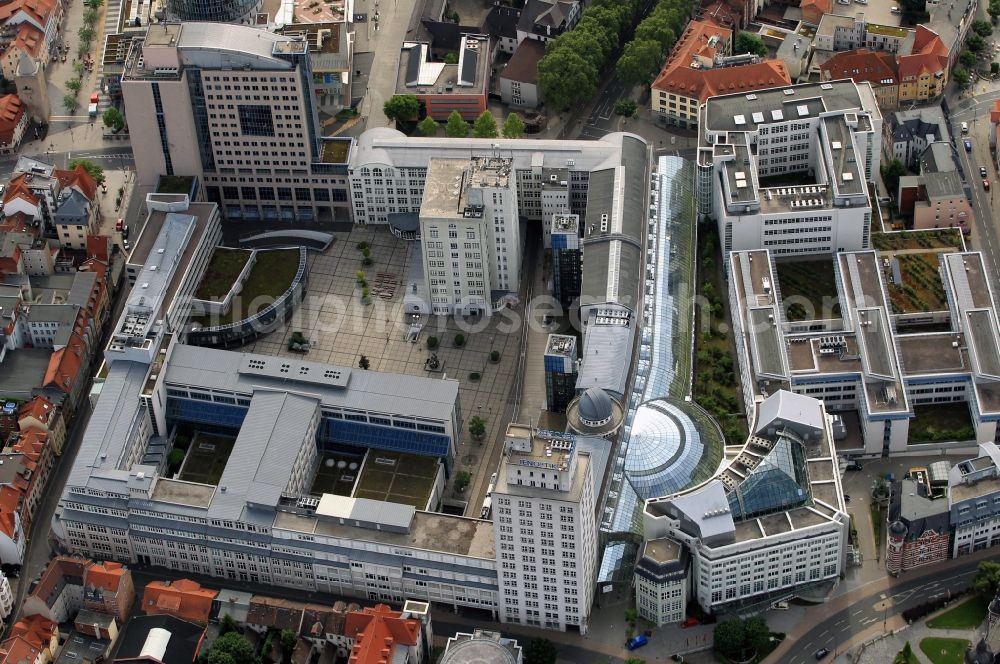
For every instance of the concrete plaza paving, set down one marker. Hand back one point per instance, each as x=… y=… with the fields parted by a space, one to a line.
x=342 y=329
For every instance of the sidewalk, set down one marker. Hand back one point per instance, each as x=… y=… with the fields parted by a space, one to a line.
x=816 y=615
x=885 y=649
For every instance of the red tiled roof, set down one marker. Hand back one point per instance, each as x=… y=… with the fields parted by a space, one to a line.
x=182 y=598
x=12 y=110
x=18 y=188
x=78 y=178
x=876 y=67
x=705 y=83
x=17 y=650
x=376 y=630
x=815 y=8
x=39 y=408
x=107 y=576
x=18 y=223
x=36 y=630
x=31 y=443
x=58 y=568
x=65 y=365
x=39 y=10
x=695 y=38
x=914 y=66
x=28 y=38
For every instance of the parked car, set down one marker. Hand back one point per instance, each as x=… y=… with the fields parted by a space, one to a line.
x=847 y=498
x=125 y=231
x=968 y=145
x=986 y=185
x=965 y=127
x=822 y=653
x=895 y=10
x=126 y=245
x=119 y=224
x=853 y=466
x=636 y=642
x=982 y=171
x=690 y=622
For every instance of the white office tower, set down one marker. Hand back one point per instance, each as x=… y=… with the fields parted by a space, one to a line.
x=545 y=530
x=471 y=243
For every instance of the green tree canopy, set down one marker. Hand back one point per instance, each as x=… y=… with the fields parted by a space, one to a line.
x=564 y=78
x=428 y=127
x=657 y=27
x=994 y=9
x=86 y=34
x=987 y=579
x=891 y=173
x=975 y=43
x=982 y=28
x=450 y=59
x=961 y=77
x=485 y=126
x=756 y=634
x=513 y=126
x=288 y=639
x=477 y=426
x=233 y=645
x=402 y=108
x=540 y=651
x=968 y=59
x=729 y=636
x=748 y=42
x=456 y=127
x=640 y=61
x=113 y=119
x=92 y=169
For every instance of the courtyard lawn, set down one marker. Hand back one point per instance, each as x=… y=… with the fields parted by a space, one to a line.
x=221 y=273
x=944 y=651
x=206 y=458
x=922 y=288
x=270 y=277
x=967 y=615
x=397 y=477
x=337 y=474
x=931 y=239
x=808 y=289
x=934 y=423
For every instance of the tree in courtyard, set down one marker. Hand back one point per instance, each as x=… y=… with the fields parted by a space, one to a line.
x=564 y=78
x=74 y=85
x=987 y=579
x=288 y=639
x=113 y=119
x=513 y=126
x=175 y=459
x=905 y=656
x=982 y=28
x=625 y=107
x=227 y=624
x=729 y=636
x=968 y=59
x=462 y=479
x=756 y=634
x=428 y=127
x=232 y=645
x=402 y=108
x=540 y=651
x=456 y=127
x=994 y=9
x=477 y=426
x=93 y=170
x=71 y=103
x=891 y=173
x=86 y=34
x=961 y=77
x=975 y=43
x=450 y=59
x=748 y=42
x=640 y=61
x=485 y=126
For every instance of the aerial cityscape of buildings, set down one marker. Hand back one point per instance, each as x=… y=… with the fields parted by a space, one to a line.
x=312 y=349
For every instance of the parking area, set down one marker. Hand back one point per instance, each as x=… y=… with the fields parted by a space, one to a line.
x=341 y=329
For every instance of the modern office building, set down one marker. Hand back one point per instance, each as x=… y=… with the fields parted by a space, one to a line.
x=564 y=240
x=770 y=525
x=544 y=529
x=446 y=88
x=661 y=582
x=233 y=105
x=560 y=371
x=388 y=169
x=470 y=231
x=218 y=11
x=829 y=132
x=974 y=501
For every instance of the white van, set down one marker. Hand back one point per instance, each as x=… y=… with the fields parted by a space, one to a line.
x=965 y=127
x=895 y=10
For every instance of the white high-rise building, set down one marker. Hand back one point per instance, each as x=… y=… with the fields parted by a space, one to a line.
x=545 y=530
x=471 y=243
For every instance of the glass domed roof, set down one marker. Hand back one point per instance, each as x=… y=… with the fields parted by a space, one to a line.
x=665 y=446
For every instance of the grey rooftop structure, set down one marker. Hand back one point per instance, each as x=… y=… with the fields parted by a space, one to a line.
x=244 y=373
x=743 y=112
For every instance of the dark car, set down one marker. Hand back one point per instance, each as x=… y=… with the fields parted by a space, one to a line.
x=847 y=498
x=968 y=145
x=822 y=653
x=853 y=466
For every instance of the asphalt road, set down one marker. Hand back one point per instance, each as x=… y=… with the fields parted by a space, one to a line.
x=834 y=630
x=602 y=119
x=116 y=158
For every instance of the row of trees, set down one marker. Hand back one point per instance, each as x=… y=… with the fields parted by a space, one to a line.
x=86 y=34
x=406 y=109
x=738 y=637
x=975 y=43
x=655 y=37
x=570 y=70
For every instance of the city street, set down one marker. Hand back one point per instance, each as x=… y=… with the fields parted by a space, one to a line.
x=385 y=42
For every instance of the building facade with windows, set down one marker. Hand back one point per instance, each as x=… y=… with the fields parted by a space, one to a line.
x=470 y=232
x=544 y=529
x=831 y=132
x=771 y=524
x=234 y=105
x=661 y=582
x=974 y=501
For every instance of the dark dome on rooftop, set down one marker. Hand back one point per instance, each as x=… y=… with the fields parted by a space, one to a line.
x=595 y=406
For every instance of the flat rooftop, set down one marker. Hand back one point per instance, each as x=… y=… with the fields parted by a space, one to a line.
x=933 y=353
x=417 y=75
x=970 y=284
x=823 y=353
x=183 y=493
x=561 y=344
x=661 y=551
x=444 y=189
x=747 y=111
x=428 y=530
x=962 y=491
x=845 y=175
